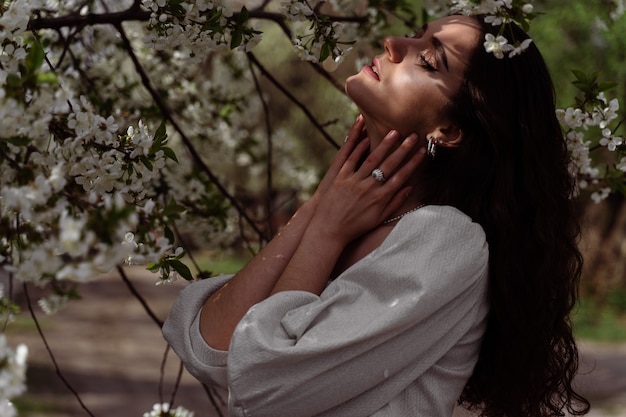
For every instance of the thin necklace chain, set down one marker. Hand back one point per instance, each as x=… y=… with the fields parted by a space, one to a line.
x=398 y=217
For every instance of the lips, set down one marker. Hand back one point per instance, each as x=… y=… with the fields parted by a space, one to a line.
x=373 y=70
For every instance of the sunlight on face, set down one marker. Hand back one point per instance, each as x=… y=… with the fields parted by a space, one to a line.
x=407 y=87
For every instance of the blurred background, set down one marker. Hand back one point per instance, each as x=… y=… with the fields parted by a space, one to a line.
x=111 y=352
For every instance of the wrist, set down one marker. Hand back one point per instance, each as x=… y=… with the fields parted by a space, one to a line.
x=321 y=229
x=313 y=202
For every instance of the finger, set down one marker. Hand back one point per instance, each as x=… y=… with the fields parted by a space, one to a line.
x=355 y=157
x=396 y=202
x=379 y=153
x=353 y=137
x=399 y=155
x=354 y=134
x=406 y=169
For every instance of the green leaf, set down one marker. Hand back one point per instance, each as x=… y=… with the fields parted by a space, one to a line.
x=226 y=110
x=161 y=133
x=169 y=153
x=153 y=267
x=325 y=52
x=213 y=23
x=47 y=77
x=35 y=57
x=580 y=76
x=176 y=8
x=173 y=209
x=13 y=81
x=147 y=163
x=236 y=39
x=169 y=234
x=243 y=16
x=19 y=140
x=182 y=269
x=607 y=85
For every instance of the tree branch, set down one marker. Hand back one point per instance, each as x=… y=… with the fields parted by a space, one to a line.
x=138 y=296
x=191 y=149
x=72 y=20
x=268 y=132
x=54 y=361
x=291 y=97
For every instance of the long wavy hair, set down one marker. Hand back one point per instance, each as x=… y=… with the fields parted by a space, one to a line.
x=510 y=174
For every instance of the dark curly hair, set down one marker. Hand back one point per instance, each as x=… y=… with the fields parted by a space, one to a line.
x=510 y=174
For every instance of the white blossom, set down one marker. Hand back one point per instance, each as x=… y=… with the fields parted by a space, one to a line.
x=297 y=10
x=521 y=48
x=571 y=117
x=600 y=195
x=609 y=140
x=53 y=303
x=161 y=410
x=618 y=10
x=71 y=231
x=7 y=409
x=494 y=20
x=497 y=45
x=12 y=370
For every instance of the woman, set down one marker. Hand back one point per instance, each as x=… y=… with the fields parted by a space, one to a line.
x=410 y=282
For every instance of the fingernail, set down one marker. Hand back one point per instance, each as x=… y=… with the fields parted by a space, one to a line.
x=412 y=137
x=359 y=118
x=394 y=134
x=345 y=140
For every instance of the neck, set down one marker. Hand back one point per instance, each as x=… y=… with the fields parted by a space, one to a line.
x=394 y=219
x=375 y=131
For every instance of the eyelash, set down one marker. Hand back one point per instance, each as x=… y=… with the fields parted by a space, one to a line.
x=427 y=65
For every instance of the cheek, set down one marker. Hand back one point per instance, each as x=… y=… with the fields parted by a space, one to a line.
x=406 y=103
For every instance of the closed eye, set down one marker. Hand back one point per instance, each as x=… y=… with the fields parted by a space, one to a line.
x=427 y=65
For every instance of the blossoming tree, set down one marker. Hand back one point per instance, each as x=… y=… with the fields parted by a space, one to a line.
x=130 y=128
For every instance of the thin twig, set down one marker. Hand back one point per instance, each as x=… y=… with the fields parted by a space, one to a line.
x=139 y=297
x=291 y=97
x=162 y=373
x=54 y=362
x=179 y=376
x=268 y=131
x=191 y=149
x=332 y=80
x=180 y=238
x=210 y=395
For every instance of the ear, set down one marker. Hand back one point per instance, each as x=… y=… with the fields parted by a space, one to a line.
x=447 y=136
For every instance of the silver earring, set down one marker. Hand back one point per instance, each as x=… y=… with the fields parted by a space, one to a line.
x=431 y=148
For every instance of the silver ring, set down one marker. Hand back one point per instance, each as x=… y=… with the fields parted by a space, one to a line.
x=378 y=175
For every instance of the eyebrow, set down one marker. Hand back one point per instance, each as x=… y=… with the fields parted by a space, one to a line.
x=440 y=51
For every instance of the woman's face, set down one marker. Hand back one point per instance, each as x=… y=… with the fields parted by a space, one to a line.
x=407 y=86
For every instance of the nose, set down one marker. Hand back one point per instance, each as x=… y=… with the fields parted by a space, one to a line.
x=395 y=48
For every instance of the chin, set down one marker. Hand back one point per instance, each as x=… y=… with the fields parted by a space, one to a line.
x=346 y=86
x=355 y=88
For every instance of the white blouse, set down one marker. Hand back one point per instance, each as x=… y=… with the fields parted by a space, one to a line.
x=396 y=334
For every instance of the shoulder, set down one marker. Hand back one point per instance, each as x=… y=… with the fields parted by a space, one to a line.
x=440 y=225
x=433 y=241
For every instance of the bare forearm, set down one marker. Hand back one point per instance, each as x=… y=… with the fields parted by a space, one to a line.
x=312 y=264
x=225 y=308
x=257 y=280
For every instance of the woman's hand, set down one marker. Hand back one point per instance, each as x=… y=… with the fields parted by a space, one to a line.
x=354 y=202
x=355 y=135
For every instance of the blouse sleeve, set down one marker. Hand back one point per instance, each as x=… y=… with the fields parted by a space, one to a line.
x=182 y=332
x=373 y=331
